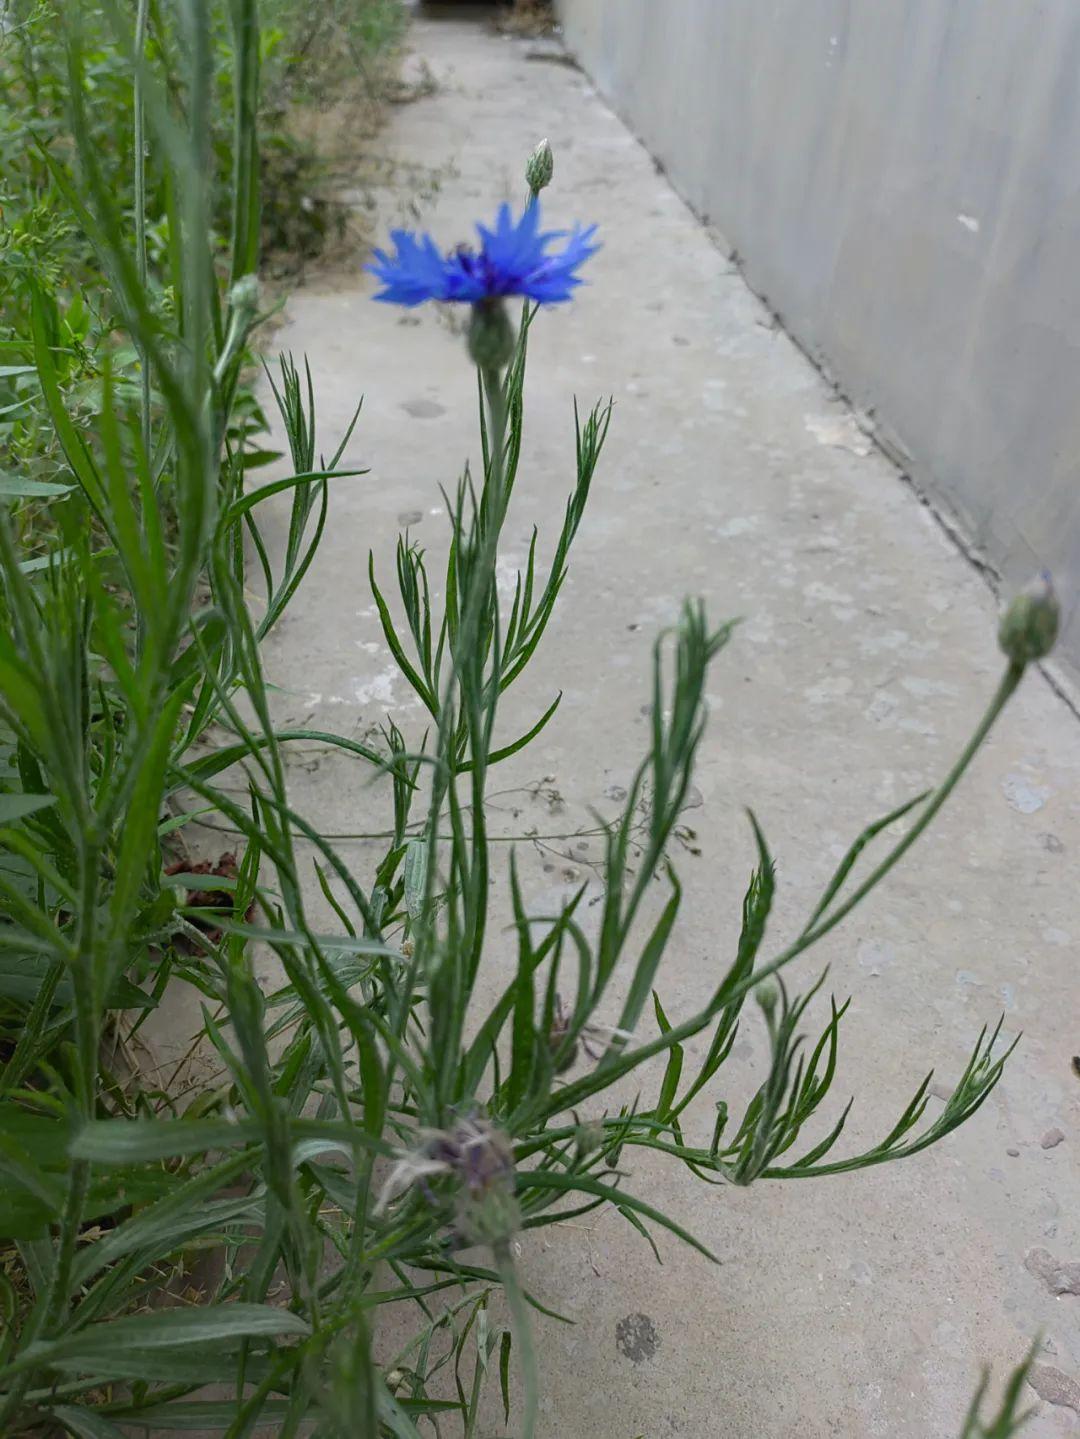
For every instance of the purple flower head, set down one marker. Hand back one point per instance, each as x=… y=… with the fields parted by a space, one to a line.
x=513 y=259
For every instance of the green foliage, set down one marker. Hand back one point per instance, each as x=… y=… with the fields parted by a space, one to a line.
x=1009 y=1419
x=315 y=50
x=380 y=1135
x=303 y=52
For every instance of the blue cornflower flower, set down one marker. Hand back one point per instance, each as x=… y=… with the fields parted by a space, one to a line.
x=513 y=259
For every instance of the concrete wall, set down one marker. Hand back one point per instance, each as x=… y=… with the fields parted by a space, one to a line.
x=901 y=181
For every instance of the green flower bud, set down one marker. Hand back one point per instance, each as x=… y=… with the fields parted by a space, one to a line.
x=491 y=335
x=589 y=1138
x=767 y=994
x=539 y=168
x=243 y=315
x=1029 y=625
x=482 y=1157
x=244 y=295
x=490 y=1216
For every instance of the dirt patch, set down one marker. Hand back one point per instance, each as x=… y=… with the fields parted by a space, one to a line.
x=324 y=159
x=636 y=1338
x=528 y=17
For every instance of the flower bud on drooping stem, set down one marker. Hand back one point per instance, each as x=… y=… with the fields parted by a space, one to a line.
x=491 y=336
x=244 y=297
x=1029 y=625
x=539 y=168
x=243 y=312
x=767 y=994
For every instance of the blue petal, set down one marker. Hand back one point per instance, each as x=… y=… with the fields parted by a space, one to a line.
x=417 y=272
x=514 y=259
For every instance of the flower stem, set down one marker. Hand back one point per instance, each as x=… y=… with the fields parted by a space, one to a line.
x=1010 y=680
x=495 y=395
x=142 y=269
x=519 y=1318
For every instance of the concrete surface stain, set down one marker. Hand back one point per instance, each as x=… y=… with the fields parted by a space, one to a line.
x=740 y=525
x=377 y=690
x=874 y=957
x=1024 y=796
x=1060 y=1277
x=422 y=409
x=636 y=1338
x=1052 y=935
x=839 y=432
x=1055 y=1387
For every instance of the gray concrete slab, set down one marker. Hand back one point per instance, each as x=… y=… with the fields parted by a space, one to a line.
x=855 y=1306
